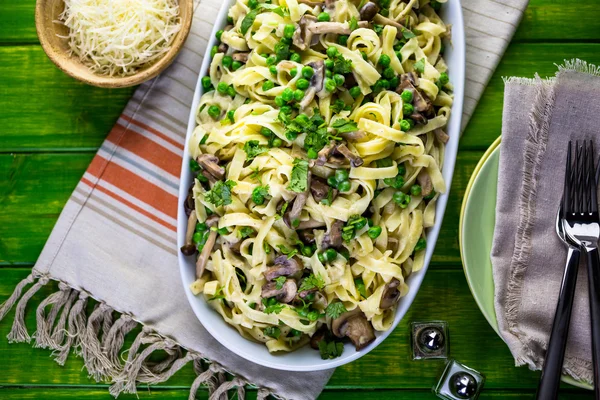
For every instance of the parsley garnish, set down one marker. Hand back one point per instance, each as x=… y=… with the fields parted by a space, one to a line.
x=279 y=215
x=378 y=29
x=330 y=350
x=360 y=286
x=408 y=34
x=420 y=65
x=339 y=106
x=259 y=194
x=353 y=24
x=311 y=282
x=253 y=148
x=248 y=21
x=245 y=231
x=220 y=194
x=279 y=281
x=218 y=295
x=288 y=252
x=255 y=174
x=344 y=125
x=299 y=180
x=272 y=331
x=342 y=66
x=335 y=309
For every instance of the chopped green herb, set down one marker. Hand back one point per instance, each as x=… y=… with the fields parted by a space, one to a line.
x=408 y=34
x=253 y=148
x=220 y=194
x=248 y=21
x=335 y=309
x=344 y=125
x=245 y=231
x=312 y=281
x=272 y=306
x=279 y=281
x=299 y=179
x=218 y=295
x=288 y=252
x=259 y=194
x=330 y=350
x=420 y=65
x=272 y=331
x=353 y=24
x=360 y=286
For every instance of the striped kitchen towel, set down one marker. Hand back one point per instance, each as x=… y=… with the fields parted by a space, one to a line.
x=115 y=241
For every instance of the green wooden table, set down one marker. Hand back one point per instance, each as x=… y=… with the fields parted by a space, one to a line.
x=51 y=126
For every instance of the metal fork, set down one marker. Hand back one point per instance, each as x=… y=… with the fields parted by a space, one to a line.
x=581 y=225
x=555 y=353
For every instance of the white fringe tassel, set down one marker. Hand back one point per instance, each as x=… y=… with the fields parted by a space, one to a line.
x=99 y=339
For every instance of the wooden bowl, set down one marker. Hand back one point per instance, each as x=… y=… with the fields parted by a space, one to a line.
x=47 y=12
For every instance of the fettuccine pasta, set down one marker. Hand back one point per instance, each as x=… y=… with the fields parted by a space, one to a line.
x=317 y=156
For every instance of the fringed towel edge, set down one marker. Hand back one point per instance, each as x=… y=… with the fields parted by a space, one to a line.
x=99 y=340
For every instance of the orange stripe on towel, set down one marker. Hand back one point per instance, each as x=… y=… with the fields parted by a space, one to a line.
x=152 y=130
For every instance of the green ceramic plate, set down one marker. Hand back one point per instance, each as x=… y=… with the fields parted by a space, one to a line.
x=476 y=231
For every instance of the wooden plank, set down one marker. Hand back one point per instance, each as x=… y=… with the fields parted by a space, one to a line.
x=42 y=107
x=11 y=393
x=46 y=110
x=443 y=296
x=35 y=187
x=544 y=19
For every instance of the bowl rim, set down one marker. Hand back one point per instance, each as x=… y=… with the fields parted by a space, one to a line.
x=414 y=280
x=63 y=62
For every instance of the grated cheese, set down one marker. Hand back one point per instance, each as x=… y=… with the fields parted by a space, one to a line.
x=120 y=37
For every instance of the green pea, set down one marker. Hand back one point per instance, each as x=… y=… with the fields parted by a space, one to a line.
x=219 y=34
x=302 y=119
x=252 y=4
x=286 y=109
x=344 y=186
x=344 y=252
x=273 y=69
x=307 y=251
x=399 y=55
x=272 y=60
x=264 y=55
x=401 y=169
x=329 y=84
x=295 y=57
x=206 y=83
x=341 y=175
x=384 y=60
x=291 y=136
x=384 y=84
x=313 y=315
x=421 y=244
x=308 y=72
x=226 y=61
x=302 y=84
x=444 y=78
x=404 y=125
x=268 y=85
x=279 y=101
x=355 y=91
x=359 y=223
x=343 y=40
x=288 y=31
x=331 y=181
x=266 y=132
x=230 y=20
x=231 y=91
x=222 y=87
x=408 y=109
x=293 y=72
x=323 y=17
x=277 y=142
x=214 y=112
x=415 y=190
x=236 y=65
x=298 y=94
x=328 y=73
x=312 y=154
x=214 y=51
x=394 y=82
x=374 y=232
x=385 y=12
x=288 y=94
x=231 y=116
x=339 y=79
x=389 y=73
x=329 y=64
x=330 y=254
x=332 y=52
x=321 y=257
x=407 y=96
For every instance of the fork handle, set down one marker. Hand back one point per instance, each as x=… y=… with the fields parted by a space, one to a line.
x=552 y=371
x=593 y=266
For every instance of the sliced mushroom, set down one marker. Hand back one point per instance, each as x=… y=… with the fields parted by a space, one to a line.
x=412 y=77
x=208 y=246
x=381 y=20
x=333 y=238
x=324 y=153
x=294 y=213
x=210 y=163
x=188 y=248
x=319 y=28
x=354 y=135
x=241 y=57
x=354 y=325
x=355 y=160
x=441 y=135
x=284 y=267
x=425 y=182
x=316 y=83
x=318 y=336
x=320 y=190
x=302 y=35
x=390 y=295
x=286 y=294
x=306 y=236
x=189 y=204
x=419 y=101
x=223 y=48
x=236 y=247
x=418 y=118
x=368 y=11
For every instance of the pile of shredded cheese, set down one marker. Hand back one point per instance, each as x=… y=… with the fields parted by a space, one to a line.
x=120 y=37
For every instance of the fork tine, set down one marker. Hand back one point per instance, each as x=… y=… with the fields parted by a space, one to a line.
x=585 y=200
x=566 y=200
x=593 y=184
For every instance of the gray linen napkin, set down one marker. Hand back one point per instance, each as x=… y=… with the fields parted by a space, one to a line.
x=540 y=117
